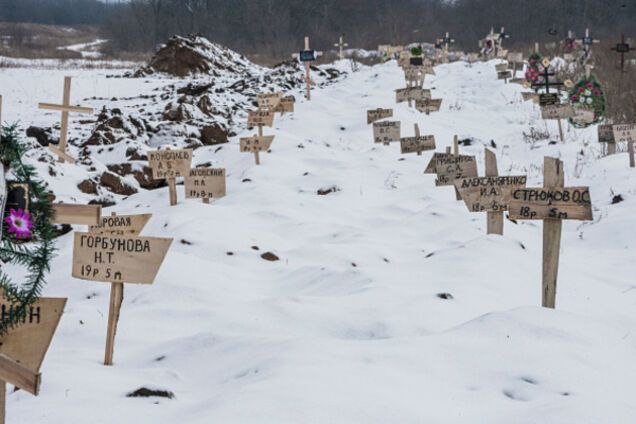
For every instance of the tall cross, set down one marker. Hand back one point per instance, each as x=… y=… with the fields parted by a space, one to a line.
x=340 y=44
x=447 y=41
x=587 y=42
x=307 y=56
x=65 y=108
x=621 y=48
x=546 y=79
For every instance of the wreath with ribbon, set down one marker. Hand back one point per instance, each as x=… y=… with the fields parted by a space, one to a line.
x=26 y=236
x=535 y=69
x=587 y=94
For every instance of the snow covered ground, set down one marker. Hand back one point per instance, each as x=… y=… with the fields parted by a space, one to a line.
x=354 y=323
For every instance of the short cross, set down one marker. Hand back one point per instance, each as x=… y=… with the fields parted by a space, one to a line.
x=65 y=108
x=621 y=48
x=341 y=44
x=447 y=41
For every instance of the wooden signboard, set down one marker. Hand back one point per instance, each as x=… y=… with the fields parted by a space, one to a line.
x=428 y=105
x=528 y=95
x=489 y=194
x=504 y=75
x=501 y=67
x=606 y=133
x=413 y=76
x=548 y=99
x=260 y=118
x=116 y=259
x=377 y=114
x=515 y=57
x=256 y=144
x=417 y=144
x=626 y=133
x=449 y=167
x=560 y=111
x=121 y=225
x=552 y=203
x=583 y=116
x=285 y=105
x=119 y=259
x=411 y=93
x=386 y=132
x=268 y=101
x=22 y=348
x=72 y=214
x=28 y=342
x=168 y=165
x=205 y=183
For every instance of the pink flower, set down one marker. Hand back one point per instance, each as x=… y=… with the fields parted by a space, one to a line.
x=581 y=90
x=597 y=92
x=574 y=98
x=590 y=85
x=19 y=223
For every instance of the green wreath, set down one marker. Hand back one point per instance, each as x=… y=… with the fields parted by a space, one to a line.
x=587 y=94
x=534 y=71
x=30 y=246
x=416 y=51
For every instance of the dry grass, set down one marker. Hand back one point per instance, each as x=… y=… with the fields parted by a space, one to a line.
x=35 y=41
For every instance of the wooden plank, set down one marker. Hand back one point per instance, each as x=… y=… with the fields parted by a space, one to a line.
x=428 y=105
x=386 y=132
x=61 y=154
x=374 y=115
x=63 y=108
x=546 y=203
x=286 y=104
x=172 y=190
x=19 y=376
x=121 y=224
x=28 y=342
x=417 y=144
x=494 y=219
x=489 y=194
x=170 y=163
x=553 y=177
x=114 y=310
x=118 y=259
x=268 y=101
x=77 y=214
x=256 y=143
x=560 y=111
x=205 y=183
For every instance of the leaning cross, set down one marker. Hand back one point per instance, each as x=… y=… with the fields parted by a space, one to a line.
x=341 y=44
x=65 y=108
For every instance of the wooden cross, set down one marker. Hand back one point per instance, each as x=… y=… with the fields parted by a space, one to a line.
x=553 y=203
x=621 y=48
x=341 y=44
x=447 y=41
x=587 y=42
x=65 y=108
x=307 y=56
x=502 y=36
x=546 y=84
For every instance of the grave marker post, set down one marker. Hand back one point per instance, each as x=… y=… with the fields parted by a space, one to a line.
x=552 y=203
x=307 y=56
x=626 y=133
x=341 y=44
x=547 y=98
x=621 y=48
x=494 y=220
x=65 y=108
x=170 y=164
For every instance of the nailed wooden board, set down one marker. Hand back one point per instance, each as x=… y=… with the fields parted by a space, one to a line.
x=624 y=133
x=428 y=105
x=489 y=194
x=583 y=116
x=386 y=132
x=285 y=105
x=205 y=183
x=606 y=133
x=449 y=167
x=268 y=101
x=374 y=115
x=118 y=259
x=76 y=214
x=528 y=95
x=169 y=163
x=256 y=143
x=562 y=111
x=546 y=203
x=121 y=224
x=504 y=75
x=19 y=376
x=417 y=144
x=27 y=343
x=515 y=57
x=411 y=93
x=263 y=118
x=501 y=67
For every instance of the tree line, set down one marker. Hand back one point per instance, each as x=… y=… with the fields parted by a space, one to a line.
x=274 y=28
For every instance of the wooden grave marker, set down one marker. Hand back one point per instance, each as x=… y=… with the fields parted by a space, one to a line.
x=168 y=165
x=268 y=101
x=286 y=105
x=552 y=203
x=622 y=48
x=65 y=108
x=374 y=115
x=307 y=56
x=258 y=143
x=502 y=71
x=417 y=144
x=341 y=45
x=428 y=105
x=23 y=348
x=410 y=94
x=450 y=166
x=110 y=257
x=72 y=214
x=626 y=133
x=588 y=41
x=490 y=194
x=606 y=138
x=121 y=225
x=386 y=132
x=446 y=42
x=205 y=183
x=550 y=109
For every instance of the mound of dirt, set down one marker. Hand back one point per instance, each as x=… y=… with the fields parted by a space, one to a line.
x=195 y=56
